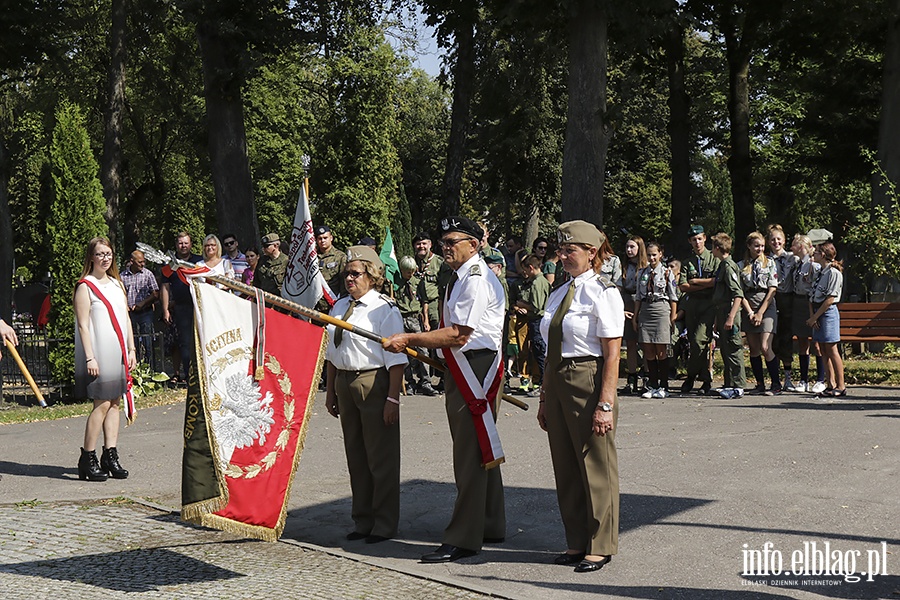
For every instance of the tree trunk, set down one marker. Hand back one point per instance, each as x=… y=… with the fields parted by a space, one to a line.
x=587 y=137
x=889 y=126
x=532 y=225
x=230 y=165
x=463 y=88
x=113 y=119
x=679 y=140
x=739 y=164
x=6 y=238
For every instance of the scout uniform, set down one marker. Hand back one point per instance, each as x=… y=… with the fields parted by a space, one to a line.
x=585 y=465
x=656 y=292
x=783 y=340
x=804 y=278
x=728 y=287
x=407 y=300
x=535 y=292
x=361 y=386
x=269 y=274
x=756 y=279
x=699 y=312
x=428 y=275
x=473 y=299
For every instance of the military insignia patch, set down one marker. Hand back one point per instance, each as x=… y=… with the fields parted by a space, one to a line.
x=475 y=270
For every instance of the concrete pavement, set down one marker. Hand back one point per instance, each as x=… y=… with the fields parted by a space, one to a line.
x=705 y=484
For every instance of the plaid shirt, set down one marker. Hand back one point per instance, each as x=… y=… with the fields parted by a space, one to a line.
x=138 y=286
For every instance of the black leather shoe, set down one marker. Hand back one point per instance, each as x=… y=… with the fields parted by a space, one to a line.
x=355 y=535
x=494 y=540
x=687 y=386
x=567 y=559
x=705 y=388
x=376 y=539
x=427 y=390
x=447 y=553
x=587 y=566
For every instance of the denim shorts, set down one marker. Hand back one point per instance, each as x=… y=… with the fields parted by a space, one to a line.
x=829 y=329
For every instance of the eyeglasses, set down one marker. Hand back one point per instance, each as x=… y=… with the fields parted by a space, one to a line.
x=354 y=274
x=453 y=242
x=103 y=255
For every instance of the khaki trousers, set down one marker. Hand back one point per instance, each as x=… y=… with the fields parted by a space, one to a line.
x=585 y=465
x=373 y=450
x=479 y=511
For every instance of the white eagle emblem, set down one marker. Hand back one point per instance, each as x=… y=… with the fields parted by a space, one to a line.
x=245 y=414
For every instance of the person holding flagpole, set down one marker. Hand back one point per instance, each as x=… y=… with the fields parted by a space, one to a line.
x=363 y=389
x=583 y=324
x=104 y=354
x=469 y=336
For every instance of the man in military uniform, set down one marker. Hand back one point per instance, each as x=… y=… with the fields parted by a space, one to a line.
x=470 y=339
x=331 y=264
x=429 y=265
x=727 y=297
x=698 y=278
x=408 y=301
x=270 y=270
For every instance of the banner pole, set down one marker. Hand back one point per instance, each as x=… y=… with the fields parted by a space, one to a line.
x=323 y=318
x=26 y=373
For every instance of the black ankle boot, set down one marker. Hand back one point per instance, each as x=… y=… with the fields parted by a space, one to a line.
x=109 y=463
x=89 y=468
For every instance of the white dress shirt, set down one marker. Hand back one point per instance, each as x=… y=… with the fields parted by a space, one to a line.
x=356 y=353
x=477 y=301
x=597 y=312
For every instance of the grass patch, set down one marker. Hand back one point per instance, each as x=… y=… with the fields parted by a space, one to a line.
x=11 y=413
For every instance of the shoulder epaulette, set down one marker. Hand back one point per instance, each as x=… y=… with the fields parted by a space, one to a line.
x=605 y=281
x=388 y=299
x=475 y=270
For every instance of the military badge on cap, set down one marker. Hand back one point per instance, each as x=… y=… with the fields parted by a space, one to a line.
x=364 y=253
x=462 y=225
x=580 y=232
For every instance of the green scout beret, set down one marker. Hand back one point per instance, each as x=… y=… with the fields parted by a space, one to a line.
x=695 y=230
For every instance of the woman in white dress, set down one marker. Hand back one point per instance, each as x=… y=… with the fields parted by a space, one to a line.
x=212 y=258
x=100 y=350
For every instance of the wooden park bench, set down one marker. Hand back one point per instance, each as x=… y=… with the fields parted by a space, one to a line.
x=865 y=322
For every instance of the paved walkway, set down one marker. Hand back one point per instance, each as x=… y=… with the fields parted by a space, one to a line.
x=704 y=482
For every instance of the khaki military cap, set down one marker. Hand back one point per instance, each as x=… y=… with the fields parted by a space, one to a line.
x=364 y=253
x=580 y=232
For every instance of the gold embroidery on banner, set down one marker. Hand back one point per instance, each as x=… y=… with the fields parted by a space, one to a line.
x=268 y=461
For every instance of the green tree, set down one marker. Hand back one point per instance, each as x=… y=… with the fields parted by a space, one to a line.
x=76 y=216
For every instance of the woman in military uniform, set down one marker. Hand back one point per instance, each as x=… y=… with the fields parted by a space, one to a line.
x=759 y=280
x=363 y=389
x=654 y=310
x=583 y=323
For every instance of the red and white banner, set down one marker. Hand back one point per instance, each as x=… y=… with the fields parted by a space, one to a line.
x=255 y=427
x=303 y=281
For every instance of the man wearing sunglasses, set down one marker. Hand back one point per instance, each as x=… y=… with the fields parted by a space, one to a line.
x=237 y=258
x=469 y=337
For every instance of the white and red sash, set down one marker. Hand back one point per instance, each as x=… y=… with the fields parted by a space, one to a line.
x=128 y=396
x=480 y=396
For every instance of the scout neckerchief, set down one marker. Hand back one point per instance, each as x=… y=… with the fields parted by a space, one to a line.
x=128 y=396
x=480 y=396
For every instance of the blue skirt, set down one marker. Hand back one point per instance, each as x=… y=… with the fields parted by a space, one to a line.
x=829 y=329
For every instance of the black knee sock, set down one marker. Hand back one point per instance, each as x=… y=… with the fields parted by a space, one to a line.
x=663 y=371
x=756 y=364
x=653 y=372
x=772 y=366
x=804 y=367
x=820 y=368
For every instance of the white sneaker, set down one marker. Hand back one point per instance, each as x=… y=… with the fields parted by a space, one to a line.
x=818 y=387
x=726 y=393
x=660 y=393
x=648 y=394
x=800 y=388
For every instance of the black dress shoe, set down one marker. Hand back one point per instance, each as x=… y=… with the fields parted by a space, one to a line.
x=355 y=535
x=567 y=559
x=586 y=566
x=447 y=553
x=494 y=540
x=376 y=539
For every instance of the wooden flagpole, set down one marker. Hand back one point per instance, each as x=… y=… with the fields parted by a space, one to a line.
x=25 y=372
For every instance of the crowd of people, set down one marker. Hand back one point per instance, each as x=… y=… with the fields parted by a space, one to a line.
x=555 y=317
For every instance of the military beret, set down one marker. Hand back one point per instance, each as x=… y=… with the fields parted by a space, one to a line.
x=364 y=253
x=493 y=259
x=462 y=225
x=322 y=229
x=819 y=236
x=580 y=232
x=422 y=235
x=270 y=238
x=367 y=241
x=695 y=230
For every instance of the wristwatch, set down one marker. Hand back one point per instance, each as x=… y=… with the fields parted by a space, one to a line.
x=605 y=407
